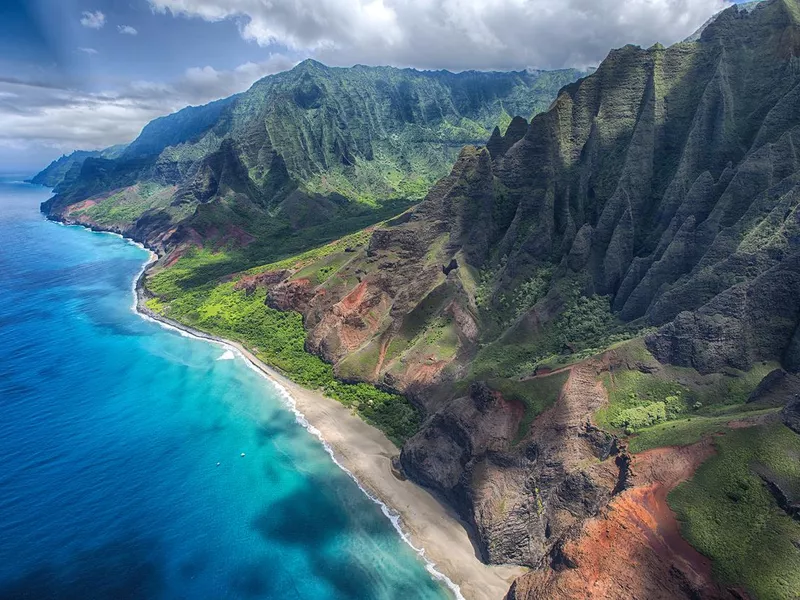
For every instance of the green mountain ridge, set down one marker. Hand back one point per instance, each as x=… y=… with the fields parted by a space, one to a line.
x=310 y=146
x=68 y=167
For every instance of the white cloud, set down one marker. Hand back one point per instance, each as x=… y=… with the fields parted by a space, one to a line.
x=88 y=50
x=127 y=30
x=457 y=34
x=41 y=116
x=93 y=20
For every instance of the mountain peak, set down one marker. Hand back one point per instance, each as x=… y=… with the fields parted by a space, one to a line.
x=744 y=7
x=309 y=64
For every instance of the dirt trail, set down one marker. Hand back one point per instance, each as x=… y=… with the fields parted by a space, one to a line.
x=558 y=430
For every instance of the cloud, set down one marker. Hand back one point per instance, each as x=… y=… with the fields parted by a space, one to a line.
x=88 y=50
x=127 y=30
x=42 y=115
x=93 y=20
x=456 y=34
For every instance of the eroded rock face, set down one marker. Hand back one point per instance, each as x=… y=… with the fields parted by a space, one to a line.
x=791 y=415
x=522 y=497
x=742 y=325
x=667 y=181
x=289 y=295
x=269 y=278
x=633 y=548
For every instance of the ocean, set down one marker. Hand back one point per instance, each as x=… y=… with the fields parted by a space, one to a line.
x=121 y=444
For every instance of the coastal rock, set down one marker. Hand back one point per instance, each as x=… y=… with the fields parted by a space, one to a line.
x=290 y=295
x=664 y=188
x=521 y=497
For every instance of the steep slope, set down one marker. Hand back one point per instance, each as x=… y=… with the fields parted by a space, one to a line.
x=748 y=6
x=665 y=183
x=305 y=148
x=657 y=200
x=68 y=167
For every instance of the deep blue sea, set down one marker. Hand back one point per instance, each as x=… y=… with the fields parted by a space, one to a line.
x=111 y=429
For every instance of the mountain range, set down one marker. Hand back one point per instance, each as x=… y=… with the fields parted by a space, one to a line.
x=298 y=150
x=586 y=336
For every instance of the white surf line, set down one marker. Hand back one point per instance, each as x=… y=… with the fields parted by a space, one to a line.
x=289 y=402
x=227 y=355
x=300 y=418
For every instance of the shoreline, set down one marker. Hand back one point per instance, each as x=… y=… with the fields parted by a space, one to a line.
x=363 y=452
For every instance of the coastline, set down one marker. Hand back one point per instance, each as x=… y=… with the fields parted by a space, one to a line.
x=432 y=529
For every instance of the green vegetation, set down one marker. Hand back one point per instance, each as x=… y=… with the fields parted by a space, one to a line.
x=501 y=309
x=584 y=328
x=276 y=247
x=307 y=147
x=537 y=395
x=666 y=405
x=637 y=399
x=67 y=168
x=585 y=323
x=729 y=515
x=688 y=430
x=278 y=338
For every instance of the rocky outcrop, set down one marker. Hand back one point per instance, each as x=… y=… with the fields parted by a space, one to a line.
x=791 y=415
x=499 y=144
x=633 y=548
x=290 y=295
x=778 y=388
x=790 y=505
x=522 y=498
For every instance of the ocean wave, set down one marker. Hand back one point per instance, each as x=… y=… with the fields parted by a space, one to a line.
x=300 y=418
x=227 y=355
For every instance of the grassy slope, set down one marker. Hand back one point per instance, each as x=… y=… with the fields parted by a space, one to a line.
x=277 y=338
x=694 y=406
x=673 y=406
x=728 y=514
x=725 y=510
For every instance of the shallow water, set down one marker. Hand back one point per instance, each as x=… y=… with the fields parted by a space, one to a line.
x=121 y=443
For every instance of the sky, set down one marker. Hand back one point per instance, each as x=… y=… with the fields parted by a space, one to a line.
x=87 y=74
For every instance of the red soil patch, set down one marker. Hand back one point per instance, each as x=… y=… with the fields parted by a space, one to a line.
x=351 y=322
x=180 y=251
x=750 y=421
x=424 y=373
x=635 y=550
x=265 y=279
x=79 y=206
x=381 y=357
x=354 y=298
x=515 y=407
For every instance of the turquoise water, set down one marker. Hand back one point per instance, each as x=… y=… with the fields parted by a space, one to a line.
x=111 y=432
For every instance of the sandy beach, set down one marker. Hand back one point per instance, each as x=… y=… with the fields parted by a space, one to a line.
x=366 y=453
